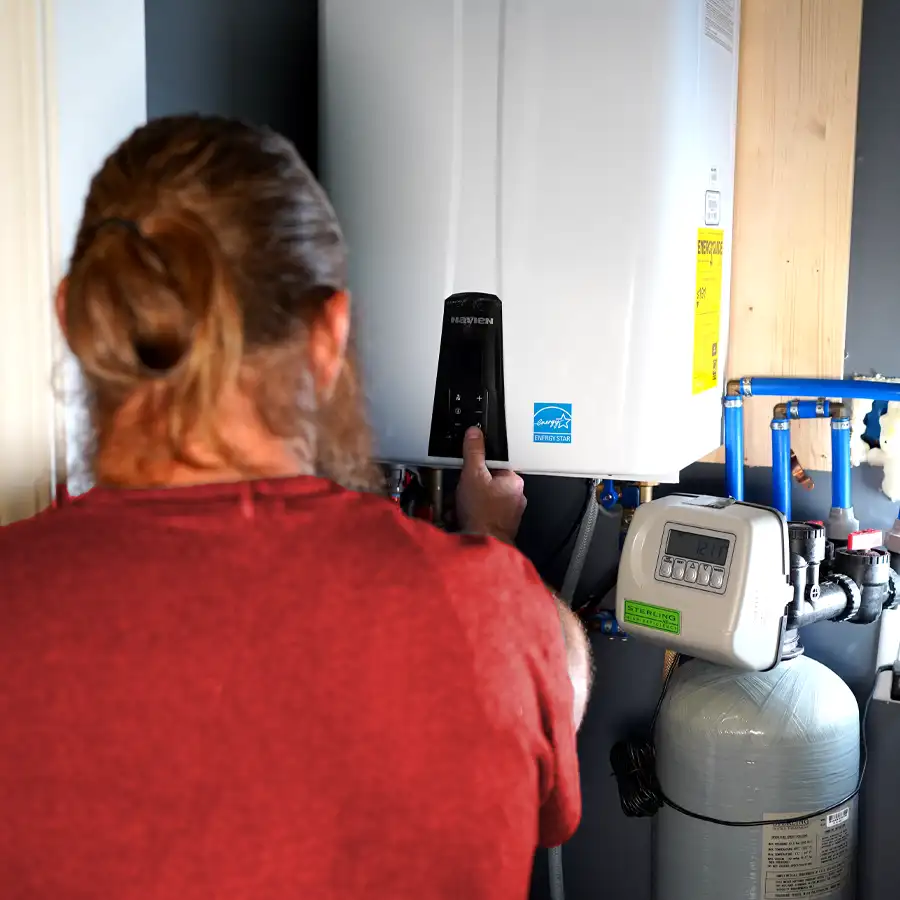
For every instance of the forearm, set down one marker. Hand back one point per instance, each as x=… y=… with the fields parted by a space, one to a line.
x=578 y=654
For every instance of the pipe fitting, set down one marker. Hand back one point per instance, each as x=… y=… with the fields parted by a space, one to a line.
x=839 y=410
x=836 y=598
x=733 y=388
x=871 y=571
x=841 y=523
x=839 y=601
x=607 y=495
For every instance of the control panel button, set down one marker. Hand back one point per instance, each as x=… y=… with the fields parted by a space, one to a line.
x=703 y=575
x=690 y=573
x=468 y=407
x=665 y=567
x=678 y=569
x=717 y=579
x=470 y=399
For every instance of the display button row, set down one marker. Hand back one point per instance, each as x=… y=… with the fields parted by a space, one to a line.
x=691 y=572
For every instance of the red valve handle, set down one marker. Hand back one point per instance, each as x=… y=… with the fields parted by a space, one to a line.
x=867 y=539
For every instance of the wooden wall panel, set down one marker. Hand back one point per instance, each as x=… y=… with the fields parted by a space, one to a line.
x=799 y=71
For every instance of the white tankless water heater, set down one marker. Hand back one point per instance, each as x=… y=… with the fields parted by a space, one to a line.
x=537 y=196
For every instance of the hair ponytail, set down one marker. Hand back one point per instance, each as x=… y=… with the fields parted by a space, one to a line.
x=156 y=308
x=206 y=254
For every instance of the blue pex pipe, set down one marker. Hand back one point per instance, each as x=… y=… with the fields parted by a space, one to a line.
x=734 y=447
x=840 y=464
x=809 y=409
x=781 y=466
x=847 y=389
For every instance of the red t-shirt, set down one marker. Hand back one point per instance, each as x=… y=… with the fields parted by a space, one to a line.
x=275 y=690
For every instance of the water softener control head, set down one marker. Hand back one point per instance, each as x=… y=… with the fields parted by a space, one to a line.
x=707 y=577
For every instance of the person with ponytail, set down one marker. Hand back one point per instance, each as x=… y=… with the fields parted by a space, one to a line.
x=233 y=669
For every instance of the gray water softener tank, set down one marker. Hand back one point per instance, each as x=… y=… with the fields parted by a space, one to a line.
x=741 y=747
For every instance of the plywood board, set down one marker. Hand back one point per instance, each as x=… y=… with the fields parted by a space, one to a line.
x=799 y=71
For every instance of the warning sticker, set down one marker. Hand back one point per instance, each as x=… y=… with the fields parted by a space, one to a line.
x=708 y=308
x=808 y=859
x=718 y=22
x=656 y=617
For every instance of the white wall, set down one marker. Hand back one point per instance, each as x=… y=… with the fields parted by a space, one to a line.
x=101 y=91
x=72 y=85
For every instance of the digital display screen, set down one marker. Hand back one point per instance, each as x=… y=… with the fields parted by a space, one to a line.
x=687 y=545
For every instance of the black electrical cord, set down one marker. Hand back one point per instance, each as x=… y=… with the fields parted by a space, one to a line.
x=641 y=795
x=634 y=765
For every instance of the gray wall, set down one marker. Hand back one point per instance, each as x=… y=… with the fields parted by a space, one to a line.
x=872 y=327
x=257 y=58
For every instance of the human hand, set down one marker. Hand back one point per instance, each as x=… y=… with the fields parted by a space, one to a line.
x=488 y=503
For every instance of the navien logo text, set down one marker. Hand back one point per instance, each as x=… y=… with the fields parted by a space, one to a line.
x=471 y=320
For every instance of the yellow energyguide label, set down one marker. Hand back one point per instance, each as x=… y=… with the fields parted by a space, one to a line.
x=708 y=308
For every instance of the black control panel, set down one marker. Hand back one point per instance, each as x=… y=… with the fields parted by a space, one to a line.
x=469 y=386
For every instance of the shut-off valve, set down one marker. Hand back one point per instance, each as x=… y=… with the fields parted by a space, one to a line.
x=854 y=583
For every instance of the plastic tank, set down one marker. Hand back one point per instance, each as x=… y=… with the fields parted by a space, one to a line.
x=751 y=747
